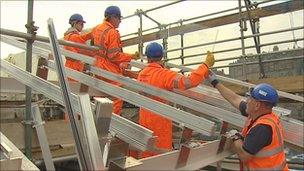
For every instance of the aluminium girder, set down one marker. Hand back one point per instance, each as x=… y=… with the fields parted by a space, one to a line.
x=199 y=157
x=124 y=129
x=196 y=123
x=292 y=126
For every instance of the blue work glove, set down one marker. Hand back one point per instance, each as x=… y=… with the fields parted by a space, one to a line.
x=212 y=78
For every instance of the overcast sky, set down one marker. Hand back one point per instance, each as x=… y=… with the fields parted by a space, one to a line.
x=14 y=17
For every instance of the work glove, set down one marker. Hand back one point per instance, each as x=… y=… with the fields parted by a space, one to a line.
x=135 y=56
x=212 y=78
x=234 y=135
x=209 y=61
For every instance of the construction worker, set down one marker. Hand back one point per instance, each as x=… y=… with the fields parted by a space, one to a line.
x=110 y=56
x=73 y=34
x=155 y=74
x=260 y=146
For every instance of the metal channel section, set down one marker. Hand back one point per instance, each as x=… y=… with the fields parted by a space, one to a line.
x=238 y=82
x=199 y=156
x=38 y=124
x=209 y=92
x=293 y=128
x=128 y=131
x=193 y=122
x=173 y=97
x=196 y=123
x=119 y=126
x=223 y=109
x=84 y=159
x=226 y=112
x=90 y=132
x=124 y=134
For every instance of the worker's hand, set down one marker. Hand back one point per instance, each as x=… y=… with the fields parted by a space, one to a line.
x=234 y=135
x=212 y=78
x=135 y=56
x=209 y=59
x=125 y=65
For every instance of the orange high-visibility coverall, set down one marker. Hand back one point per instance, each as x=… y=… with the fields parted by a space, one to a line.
x=271 y=157
x=74 y=35
x=109 y=58
x=154 y=74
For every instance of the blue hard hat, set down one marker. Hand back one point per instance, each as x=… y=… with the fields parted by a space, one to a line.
x=112 y=10
x=76 y=17
x=265 y=92
x=154 y=51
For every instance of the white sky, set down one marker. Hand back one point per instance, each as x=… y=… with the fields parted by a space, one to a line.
x=14 y=17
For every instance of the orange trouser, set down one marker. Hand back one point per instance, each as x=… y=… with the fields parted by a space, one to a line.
x=161 y=127
x=109 y=66
x=75 y=65
x=117 y=106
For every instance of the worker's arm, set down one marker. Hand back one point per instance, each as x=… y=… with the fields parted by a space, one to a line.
x=179 y=81
x=258 y=137
x=194 y=79
x=114 y=48
x=228 y=94
x=72 y=36
x=237 y=147
x=86 y=36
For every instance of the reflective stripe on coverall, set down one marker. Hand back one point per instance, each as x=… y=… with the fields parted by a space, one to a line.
x=271 y=157
x=107 y=38
x=154 y=74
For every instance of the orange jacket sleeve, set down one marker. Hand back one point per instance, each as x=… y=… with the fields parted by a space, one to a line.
x=78 y=38
x=86 y=36
x=179 y=81
x=114 y=48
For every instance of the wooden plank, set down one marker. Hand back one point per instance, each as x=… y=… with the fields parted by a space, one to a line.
x=266 y=11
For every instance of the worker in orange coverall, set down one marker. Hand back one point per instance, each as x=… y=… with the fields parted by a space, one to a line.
x=155 y=74
x=110 y=56
x=73 y=34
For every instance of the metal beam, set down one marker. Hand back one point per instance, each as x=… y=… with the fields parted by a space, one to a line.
x=293 y=128
x=126 y=130
x=242 y=83
x=212 y=96
x=196 y=123
x=191 y=121
x=199 y=156
x=84 y=158
x=233 y=118
x=90 y=132
x=43 y=142
x=44 y=39
x=266 y=11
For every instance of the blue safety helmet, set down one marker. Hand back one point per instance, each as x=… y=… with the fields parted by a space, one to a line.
x=264 y=92
x=76 y=17
x=154 y=51
x=112 y=10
